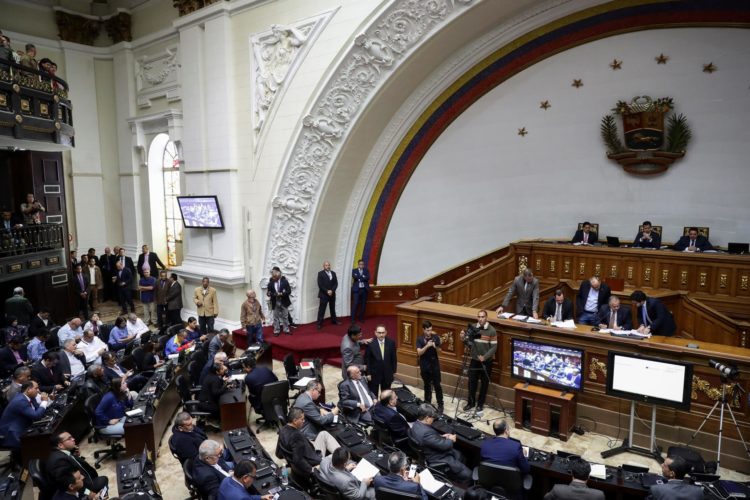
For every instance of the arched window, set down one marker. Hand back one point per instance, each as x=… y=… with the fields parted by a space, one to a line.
x=172 y=217
x=164 y=188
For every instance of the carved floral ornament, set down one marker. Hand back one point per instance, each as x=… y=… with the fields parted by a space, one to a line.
x=370 y=59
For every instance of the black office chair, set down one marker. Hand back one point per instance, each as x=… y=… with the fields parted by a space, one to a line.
x=389 y=494
x=52 y=341
x=186 y=392
x=138 y=357
x=291 y=369
x=418 y=454
x=39 y=478
x=104 y=331
x=115 y=448
x=326 y=490
x=194 y=372
x=172 y=449
x=187 y=470
x=491 y=476
x=274 y=407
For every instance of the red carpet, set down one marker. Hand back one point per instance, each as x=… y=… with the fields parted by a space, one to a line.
x=307 y=341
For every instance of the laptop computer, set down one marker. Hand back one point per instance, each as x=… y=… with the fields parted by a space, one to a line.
x=738 y=248
x=135 y=468
x=613 y=241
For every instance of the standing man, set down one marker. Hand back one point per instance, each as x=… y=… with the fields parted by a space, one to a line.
x=647 y=238
x=360 y=287
x=174 y=301
x=252 y=318
x=350 y=349
x=160 y=298
x=585 y=236
x=653 y=316
x=107 y=264
x=526 y=288
x=558 y=308
x=279 y=291
x=19 y=306
x=380 y=359
x=327 y=285
x=123 y=280
x=147 y=287
x=148 y=261
x=208 y=305
x=96 y=283
x=483 y=348
x=428 y=348
x=592 y=295
x=126 y=261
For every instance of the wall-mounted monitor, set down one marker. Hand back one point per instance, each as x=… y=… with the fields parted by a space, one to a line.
x=200 y=212
x=649 y=380
x=547 y=364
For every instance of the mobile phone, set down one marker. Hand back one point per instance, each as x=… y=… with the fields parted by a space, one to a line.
x=412 y=471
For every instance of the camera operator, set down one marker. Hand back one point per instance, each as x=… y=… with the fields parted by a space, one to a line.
x=482 y=339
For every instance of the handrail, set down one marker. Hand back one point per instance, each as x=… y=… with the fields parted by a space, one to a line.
x=30 y=239
x=18 y=73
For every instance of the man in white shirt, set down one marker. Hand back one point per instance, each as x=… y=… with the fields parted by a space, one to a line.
x=92 y=347
x=70 y=330
x=74 y=357
x=136 y=326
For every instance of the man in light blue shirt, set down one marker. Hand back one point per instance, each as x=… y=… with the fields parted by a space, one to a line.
x=592 y=295
x=70 y=330
x=37 y=347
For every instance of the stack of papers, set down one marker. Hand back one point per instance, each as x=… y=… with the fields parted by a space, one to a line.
x=506 y=315
x=520 y=317
x=627 y=333
x=598 y=471
x=237 y=376
x=303 y=382
x=365 y=469
x=535 y=321
x=568 y=323
x=429 y=483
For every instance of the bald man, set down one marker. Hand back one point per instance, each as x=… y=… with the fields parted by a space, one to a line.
x=327 y=285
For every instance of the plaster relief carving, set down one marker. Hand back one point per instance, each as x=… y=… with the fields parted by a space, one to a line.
x=367 y=64
x=157 y=75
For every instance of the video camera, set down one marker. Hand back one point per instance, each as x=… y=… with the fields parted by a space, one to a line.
x=472 y=333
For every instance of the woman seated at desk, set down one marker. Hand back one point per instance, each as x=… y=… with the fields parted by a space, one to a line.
x=110 y=412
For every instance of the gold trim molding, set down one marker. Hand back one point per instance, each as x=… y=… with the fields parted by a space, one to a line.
x=597 y=366
x=713 y=393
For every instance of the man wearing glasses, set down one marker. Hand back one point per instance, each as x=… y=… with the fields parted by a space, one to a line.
x=210 y=469
x=237 y=486
x=65 y=456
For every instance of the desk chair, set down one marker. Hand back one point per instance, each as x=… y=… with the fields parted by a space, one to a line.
x=187 y=471
x=382 y=435
x=656 y=229
x=418 y=455
x=491 y=476
x=186 y=392
x=39 y=478
x=291 y=369
x=389 y=494
x=104 y=331
x=194 y=372
x=296 y=478
x=274 y=407
x=52 y=340
x=702 y=231
x=138 y=357
x=326 y=491
x=115 y=448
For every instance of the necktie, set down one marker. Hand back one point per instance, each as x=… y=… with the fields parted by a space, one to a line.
x=363 y=396
x=80 y=280
x=612 y=319
x=382 y=350
x=585 y=238
x=525 y=286
x=557 y=313
x=646 y=319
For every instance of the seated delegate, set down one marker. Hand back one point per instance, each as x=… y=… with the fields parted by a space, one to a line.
x=647 y=237
x=693 y=242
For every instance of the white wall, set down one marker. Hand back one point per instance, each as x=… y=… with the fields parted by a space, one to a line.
x=481 y=186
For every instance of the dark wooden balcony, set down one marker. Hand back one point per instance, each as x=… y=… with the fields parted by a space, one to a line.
x=29 y=250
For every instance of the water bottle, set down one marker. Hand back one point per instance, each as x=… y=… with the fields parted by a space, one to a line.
x=284 y=476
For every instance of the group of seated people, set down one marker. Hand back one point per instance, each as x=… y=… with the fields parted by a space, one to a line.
x=693 y=241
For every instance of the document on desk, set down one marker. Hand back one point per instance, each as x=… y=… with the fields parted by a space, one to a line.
x=568 y=323
x=301 y=383
x=133 y=413
x=237 y=376
x=365 y=469
x=599 y=471
x=428 y=482
x=520 y=317
x=506 y=315
x=534 y=321
x=253 y=348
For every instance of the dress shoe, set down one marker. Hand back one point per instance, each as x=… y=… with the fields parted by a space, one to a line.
x=287 y=333
x=319 y=327
x=480 y=410
x=275 y=334
x=335 y=322
x=468 y=406
x=440 y=409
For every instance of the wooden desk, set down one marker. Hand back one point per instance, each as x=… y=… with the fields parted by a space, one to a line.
x=541 y=405
x=35 y=443
x=233 y=409
x=148 y=432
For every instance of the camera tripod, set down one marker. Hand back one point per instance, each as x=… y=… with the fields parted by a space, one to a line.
x=725 y=402
x=472 y=415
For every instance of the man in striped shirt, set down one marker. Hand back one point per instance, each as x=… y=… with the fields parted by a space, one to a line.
x=483 y=350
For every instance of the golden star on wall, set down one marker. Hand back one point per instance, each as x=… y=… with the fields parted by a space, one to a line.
x=522 y=131
x=661 y=59
x=615 y=65
x=577 y=83
x=709 y=68
x=545 y=105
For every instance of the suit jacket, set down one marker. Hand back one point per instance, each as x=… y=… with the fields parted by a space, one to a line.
x=701 y=243
x=349 y=398
x=64 y=363
x=58 y=461
x=344 y=481
x=393 y=420
x=435 y=447
x=325 y=284
x=160 y=292
x=662 y=322
x=504 y=451
x=529 y=295
x=185 y=444
x=211 y=390
x=107 y=263
x=576 y=490
x=128 y=264
x=578 y=237
x=284 y=289
x=124 y=279
x=314 y=421
x=550 y=307
x=8 y=362
x=360 y=277
x=624 y=319
x=398 y=483
x=303 y=456
x=232 y=490
x=210 y=302
x=37 y=324
x=17 y=417
x=174 y=296
x=381 y=369
x=583 y=293
x=97 y=277
x=207 y=478
x=153 y=260
x=255 y=380
x=676 y=489
x=20 y=307
x=654 y=243
x=77 y=284
x=47 y=380
x=350 y=354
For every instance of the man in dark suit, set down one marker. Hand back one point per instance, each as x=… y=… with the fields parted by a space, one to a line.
x=526 y=289
x=360 y=288
x=437 y=447
x=278 y=290
x=186 y=437
x=19 y=307
x=20 y=413
x=316 y=419
x=647 y=237
x=398 y=478
x=107 y=265
x=69 y=486
x=502 y=450
x=294 y=447
x=47 y=373
x=256 y=378
x=351 y=353
x=558 y=308
x=174 y=301
x=577 y=489
x=81 y=288
x=211 y=390
x=380 y=359
x=585 y=236
x=327 y=285
x=126 y=261
x=12 y=355
x=674 y=468
x=41 y=321
x=693 y=242
x=615 y=316
x=385 y=411
x=355 y=397
x=210 y=468
x=123 y=280
x=151 y=258
x=653 y=316
x=65 y=456
x=592 y=295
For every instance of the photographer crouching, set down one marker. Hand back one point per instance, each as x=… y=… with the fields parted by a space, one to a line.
x=482 y=340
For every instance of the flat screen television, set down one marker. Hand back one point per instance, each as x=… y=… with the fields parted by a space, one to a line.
x=547 y=364
x=200 y=212
x=649 y=380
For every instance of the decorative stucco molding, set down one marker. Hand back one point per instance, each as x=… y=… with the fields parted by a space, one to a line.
x=158 y=75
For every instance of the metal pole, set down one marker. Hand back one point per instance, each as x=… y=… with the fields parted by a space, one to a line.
x=632 y=420
x=721 y=426
x=653 y=429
